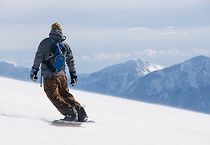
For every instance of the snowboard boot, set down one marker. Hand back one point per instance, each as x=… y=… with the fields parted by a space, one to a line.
x=71 y=117
x=83 y=117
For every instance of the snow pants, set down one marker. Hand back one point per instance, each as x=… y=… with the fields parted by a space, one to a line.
x=57 y=91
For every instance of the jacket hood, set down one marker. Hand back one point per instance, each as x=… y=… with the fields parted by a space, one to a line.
x=57 y=35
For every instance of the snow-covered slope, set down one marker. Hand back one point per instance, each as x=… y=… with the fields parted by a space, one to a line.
x=26 y=113
x=114 y=79
x=185 y=85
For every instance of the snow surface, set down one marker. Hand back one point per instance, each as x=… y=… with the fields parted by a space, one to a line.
x=26 y=114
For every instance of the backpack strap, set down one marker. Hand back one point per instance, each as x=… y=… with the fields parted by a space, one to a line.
x=61 y=42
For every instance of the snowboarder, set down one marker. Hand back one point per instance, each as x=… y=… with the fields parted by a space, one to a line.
x=55 y=82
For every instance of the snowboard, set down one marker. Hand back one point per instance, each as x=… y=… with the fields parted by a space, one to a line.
x=64 y=123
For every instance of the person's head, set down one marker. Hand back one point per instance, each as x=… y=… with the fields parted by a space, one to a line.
x=56 y=26
x=56 y=32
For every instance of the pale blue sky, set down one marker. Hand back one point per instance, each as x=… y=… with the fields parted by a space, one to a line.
x=102 y=33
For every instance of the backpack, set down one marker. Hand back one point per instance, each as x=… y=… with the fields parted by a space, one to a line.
x=56 y=60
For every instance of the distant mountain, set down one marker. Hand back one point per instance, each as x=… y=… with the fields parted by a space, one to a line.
x=16 y=72
x=114 y=79
x=185 y=85
x=22 y=73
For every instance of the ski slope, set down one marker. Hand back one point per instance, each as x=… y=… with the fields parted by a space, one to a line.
x=26 y=114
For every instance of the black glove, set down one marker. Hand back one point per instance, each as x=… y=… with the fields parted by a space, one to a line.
x=33 y=74
x=73 y=76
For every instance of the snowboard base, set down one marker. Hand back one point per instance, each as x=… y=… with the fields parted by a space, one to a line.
x=69 y=123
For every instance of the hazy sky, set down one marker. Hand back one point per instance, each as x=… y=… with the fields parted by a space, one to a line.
x=106 y=32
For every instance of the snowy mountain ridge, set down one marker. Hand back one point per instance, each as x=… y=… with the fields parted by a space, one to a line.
x=143 y=67
x=114 y=79
x=16 y=72
x=185 y=85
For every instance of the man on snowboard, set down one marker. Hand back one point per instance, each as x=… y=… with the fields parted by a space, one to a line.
x=55 y=83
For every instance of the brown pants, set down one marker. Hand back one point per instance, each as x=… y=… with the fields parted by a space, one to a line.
x=57 y=91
